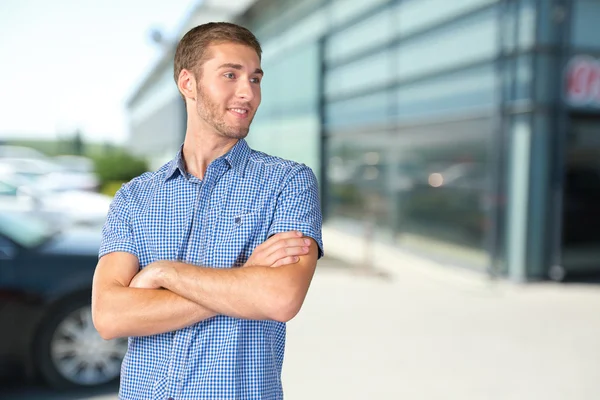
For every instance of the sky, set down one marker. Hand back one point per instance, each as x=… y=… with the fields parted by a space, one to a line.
x=68 y=65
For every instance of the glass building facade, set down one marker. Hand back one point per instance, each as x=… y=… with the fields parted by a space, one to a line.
x=446 y=123
x=467 y=130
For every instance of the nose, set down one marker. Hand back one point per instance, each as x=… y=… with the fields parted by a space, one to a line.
x=244 y=90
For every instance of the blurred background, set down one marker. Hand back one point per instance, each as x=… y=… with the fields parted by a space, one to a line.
x=457 y=145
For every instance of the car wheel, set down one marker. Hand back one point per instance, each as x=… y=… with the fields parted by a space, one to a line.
x=71 y=353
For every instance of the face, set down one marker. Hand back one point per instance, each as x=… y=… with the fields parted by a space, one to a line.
x=228 y=90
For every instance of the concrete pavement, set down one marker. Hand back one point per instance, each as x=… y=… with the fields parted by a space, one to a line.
x=431 y=334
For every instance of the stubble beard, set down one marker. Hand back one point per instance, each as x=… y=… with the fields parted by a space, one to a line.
x=209 y=112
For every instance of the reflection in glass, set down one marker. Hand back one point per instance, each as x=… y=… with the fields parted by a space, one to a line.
x=423 y=186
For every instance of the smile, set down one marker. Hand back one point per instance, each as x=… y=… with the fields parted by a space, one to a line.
x=239 y=112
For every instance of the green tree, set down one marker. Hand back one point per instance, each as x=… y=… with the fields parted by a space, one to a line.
x=116 y=168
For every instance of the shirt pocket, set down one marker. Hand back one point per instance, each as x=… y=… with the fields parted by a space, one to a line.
x=241 y=232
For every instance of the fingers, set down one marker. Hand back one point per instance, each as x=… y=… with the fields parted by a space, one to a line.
x=287 y=247
x=285 y=252
x=279 y=236
x=280 y=249
x=286 y=261
x=283 y=243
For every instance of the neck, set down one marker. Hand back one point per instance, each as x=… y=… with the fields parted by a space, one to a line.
x=200 y=149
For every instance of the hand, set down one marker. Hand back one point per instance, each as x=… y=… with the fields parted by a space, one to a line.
x=280 y=249
x=149 y=277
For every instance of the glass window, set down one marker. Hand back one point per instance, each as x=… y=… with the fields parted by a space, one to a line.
x=298 y=80
x=427 y=186
x=527 y=15
x=545 y=72
x=518 y=74
x=586 y=29
x=518 y=22
x=370 y=33
x=442 y=189
x=466 y=41
x=415 y=15
x=550 y=16
x=342 y=11
x=581 y=195
x=294 y=35
x=267 y=21
x=148 y=136
x=524 y=77
x=442 y=186
x=373 y=108
x=357 y=179
x=291 y=83
x=160 y=91
x=370 y=72
x=508 y=24
x=474 y=88
x=293 y=137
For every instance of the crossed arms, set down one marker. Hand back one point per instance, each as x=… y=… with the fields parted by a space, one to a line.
x=167 y=295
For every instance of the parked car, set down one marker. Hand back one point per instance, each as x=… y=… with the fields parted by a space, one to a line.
x=45 y=314
x=75 y=163
x=67 y=208
x=50 y=175
x=10 y=151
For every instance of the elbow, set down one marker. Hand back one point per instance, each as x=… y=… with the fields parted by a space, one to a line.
x=103 y=324
x=286 y=298
x=284 y=315
x=107 y=334
x=286 y=309
x=106 y=331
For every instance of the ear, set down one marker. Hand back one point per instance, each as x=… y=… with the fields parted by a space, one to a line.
x=186 y=83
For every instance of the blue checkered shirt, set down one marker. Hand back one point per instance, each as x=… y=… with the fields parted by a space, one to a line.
x=245 y=197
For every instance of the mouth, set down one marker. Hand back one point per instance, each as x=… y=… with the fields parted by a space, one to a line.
x=239 y=112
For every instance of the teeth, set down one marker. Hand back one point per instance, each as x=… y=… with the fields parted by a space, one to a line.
x=239 y=110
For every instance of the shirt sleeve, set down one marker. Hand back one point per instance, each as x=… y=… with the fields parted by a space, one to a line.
x=298 y=207
x=117 y=234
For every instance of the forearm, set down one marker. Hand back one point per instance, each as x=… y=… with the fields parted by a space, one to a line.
x=123 y=311
x=251 y=292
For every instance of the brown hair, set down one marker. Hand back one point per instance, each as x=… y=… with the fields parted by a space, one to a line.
x=191 y=51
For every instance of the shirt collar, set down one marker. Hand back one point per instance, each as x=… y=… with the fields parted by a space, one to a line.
x=176 y=164
x=237 y=158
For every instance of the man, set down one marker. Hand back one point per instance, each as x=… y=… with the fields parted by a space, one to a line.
x=203 y=261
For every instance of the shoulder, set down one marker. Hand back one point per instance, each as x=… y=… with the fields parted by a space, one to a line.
x=144 y=184
x=281 y=168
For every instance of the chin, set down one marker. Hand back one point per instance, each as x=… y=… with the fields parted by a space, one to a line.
x=236 y=134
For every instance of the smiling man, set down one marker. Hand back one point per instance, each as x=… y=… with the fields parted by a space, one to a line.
x=204 y=261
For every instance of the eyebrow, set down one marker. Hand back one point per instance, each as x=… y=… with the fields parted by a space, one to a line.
x=239 y=67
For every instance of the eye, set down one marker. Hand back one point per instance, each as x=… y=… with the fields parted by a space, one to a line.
x=255 y=80
x=229 y=75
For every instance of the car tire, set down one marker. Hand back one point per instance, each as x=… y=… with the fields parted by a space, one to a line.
x=69 y=351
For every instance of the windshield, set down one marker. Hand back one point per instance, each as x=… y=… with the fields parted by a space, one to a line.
x=25 y=230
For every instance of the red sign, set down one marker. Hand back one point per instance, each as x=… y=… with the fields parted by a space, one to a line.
x=583 y=82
